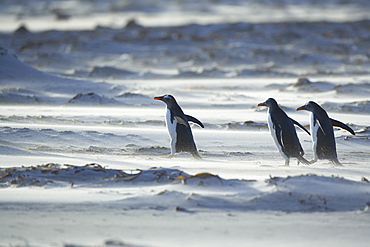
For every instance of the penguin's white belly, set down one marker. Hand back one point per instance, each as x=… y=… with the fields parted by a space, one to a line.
x=171 y=126
x=273 y=134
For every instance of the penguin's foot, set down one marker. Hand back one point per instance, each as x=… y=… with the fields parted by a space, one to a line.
x=286 y=164
x=312 y=161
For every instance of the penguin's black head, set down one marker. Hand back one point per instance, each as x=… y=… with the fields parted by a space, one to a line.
x=168 y=99
x=269 y=102
x=309 y=106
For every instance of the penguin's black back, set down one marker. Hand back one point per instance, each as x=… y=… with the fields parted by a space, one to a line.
x=185 y=140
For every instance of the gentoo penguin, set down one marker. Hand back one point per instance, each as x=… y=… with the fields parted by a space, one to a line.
x=178 y=127
x=283 y=132
x=322 y=133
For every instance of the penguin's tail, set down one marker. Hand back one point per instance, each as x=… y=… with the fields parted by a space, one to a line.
x=303 y=160
x=336 y=162
x=196 y=155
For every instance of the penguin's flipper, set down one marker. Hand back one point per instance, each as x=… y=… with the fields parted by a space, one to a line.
x=318 y=122
x=182 y=121
x=279 y=135
x=300 y=126
x=278 y=132
x=194 y=120
x=342 y=125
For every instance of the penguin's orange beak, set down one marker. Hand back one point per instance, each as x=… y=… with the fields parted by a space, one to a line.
x=262 y=104
x=301 y=108
x=158 y=97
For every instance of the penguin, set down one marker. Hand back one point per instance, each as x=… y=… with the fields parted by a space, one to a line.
x=322 y=133
x=284 y=133
x=178 y=127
